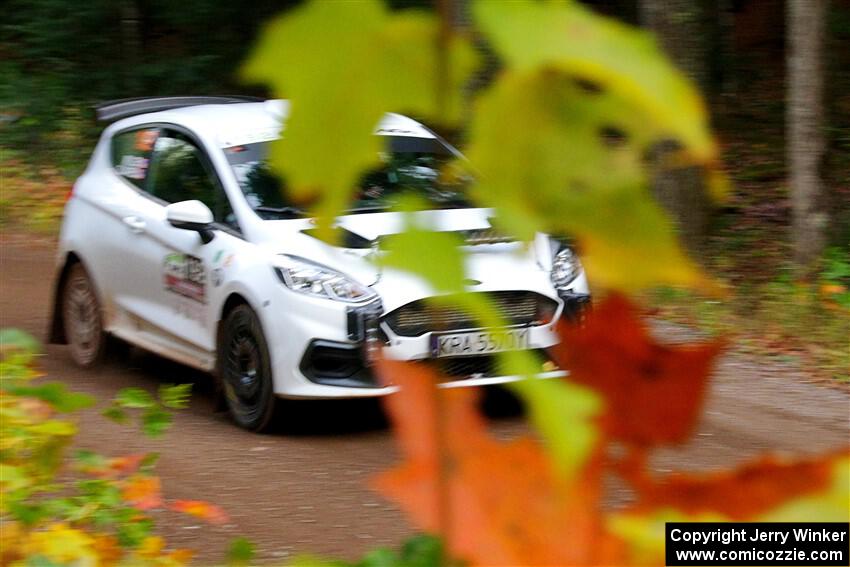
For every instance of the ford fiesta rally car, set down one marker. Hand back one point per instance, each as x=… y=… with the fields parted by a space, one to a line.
x=177 y=238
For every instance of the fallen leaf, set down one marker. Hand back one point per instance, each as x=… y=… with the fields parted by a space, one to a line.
x=200 y=509
x=142 y=492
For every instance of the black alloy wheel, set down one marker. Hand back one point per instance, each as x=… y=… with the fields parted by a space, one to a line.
x=245 y=370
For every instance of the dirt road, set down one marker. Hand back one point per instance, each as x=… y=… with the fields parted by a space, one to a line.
x=306 y=491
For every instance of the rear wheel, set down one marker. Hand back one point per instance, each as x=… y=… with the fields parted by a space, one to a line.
x=245 y=370
x=81 y=317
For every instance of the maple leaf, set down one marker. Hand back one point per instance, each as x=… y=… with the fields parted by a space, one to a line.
x=582 y=100
x=743 y=493
x=496 y=503
x=200 y=509
x=343 y=65
x=142 y=492
x=654 y=393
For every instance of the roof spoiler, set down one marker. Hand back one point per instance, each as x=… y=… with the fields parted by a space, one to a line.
x=118 y=109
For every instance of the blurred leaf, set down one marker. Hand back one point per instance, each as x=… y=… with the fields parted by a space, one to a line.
x=653 y=393
x=18 y=341
x=747 y=492
x=573 y=180
x=563 y=413
x=766 y=490
x=496 y=503
x=116 y=414
x=423 y=551
x=63 y=544
x=89 y=460
x=56 y=394
x=156 y=421
x=134 y=398
x=54 y=427
x=175 y=396
x=200 y=509
x=142 y=492
x=612 y=58
x=343 y=65
x=435 y=256
x=827 y=505
x=240 y=552
x=13 y=478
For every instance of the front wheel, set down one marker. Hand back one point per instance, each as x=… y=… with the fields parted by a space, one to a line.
x=245 y=370
x=82 y=319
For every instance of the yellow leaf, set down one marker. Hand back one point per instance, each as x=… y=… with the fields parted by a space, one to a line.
x=612 y=56
x=539 y=150
x=62 y=544
x=343 y=65
x=151 y=547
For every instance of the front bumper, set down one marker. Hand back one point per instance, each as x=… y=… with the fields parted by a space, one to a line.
x=339 y=366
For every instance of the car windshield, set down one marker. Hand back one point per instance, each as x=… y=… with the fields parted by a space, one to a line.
x=408 y=164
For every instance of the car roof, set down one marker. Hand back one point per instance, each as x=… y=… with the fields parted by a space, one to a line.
x=237 y=124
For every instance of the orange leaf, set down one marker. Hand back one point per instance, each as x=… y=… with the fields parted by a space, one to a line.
x=200 y=509
x=181 y=556
x=108 y=549
x=743 y=493
x=143 y=492
x=125 y=465
x=654 y=392
x=495 y=503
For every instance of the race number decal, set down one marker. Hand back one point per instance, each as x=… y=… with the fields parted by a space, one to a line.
x=185 y=275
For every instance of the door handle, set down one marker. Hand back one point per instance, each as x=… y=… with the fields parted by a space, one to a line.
x=136 y=224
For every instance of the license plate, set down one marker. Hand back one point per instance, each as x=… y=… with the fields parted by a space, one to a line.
x=478 y=342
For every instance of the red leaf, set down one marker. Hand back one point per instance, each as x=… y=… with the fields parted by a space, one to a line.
x=742 y=493
x=654 y=392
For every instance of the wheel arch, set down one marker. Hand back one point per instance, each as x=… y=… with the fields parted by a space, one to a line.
x=56 y=330
x=233 y=300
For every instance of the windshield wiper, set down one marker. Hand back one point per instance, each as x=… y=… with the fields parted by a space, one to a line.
x=292 y=212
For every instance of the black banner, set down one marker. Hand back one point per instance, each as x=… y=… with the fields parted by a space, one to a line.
x=748 y=543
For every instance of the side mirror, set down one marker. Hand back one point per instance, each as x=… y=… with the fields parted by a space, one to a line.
x=191 y=215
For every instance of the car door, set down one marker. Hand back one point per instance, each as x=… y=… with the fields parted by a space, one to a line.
x=174 y=274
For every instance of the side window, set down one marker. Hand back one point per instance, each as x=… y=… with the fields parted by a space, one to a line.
x=180 y=172
x=131 y=153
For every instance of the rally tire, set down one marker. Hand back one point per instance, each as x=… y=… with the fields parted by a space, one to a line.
x=244 y=368
x=82 y=318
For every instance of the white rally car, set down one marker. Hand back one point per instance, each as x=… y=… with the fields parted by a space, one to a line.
x=178 y=239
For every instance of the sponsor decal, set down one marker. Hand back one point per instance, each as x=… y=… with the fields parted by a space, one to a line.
x=185 y=275
x=217 y=273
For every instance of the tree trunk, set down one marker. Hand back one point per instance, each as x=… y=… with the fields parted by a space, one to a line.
x=805 y=142
x=678 y=25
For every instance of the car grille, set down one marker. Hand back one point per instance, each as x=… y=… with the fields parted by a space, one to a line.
x=484 y=366
x=422 y=316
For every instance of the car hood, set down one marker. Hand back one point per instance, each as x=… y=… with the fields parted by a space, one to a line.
x=493 y=262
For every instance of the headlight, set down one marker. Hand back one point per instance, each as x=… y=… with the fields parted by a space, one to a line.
x=306 y=277
x=565 y=268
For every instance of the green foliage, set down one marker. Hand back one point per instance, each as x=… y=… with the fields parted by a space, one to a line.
x=240 y=552
x=563 y=413
x=418 y=551
x=154 y=417
x=86 y=509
